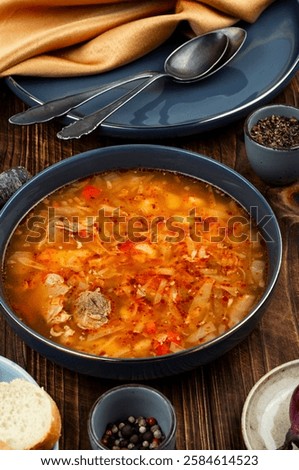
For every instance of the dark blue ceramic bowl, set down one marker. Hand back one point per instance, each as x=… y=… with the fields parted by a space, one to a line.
x=141 y=156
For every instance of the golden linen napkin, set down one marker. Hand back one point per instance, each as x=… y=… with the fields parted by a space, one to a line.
x=80 y=37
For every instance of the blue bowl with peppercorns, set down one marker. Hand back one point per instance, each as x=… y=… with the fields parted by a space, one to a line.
x=132 y=417
x=272 y=143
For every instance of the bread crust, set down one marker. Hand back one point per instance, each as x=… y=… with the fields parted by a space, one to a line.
x=4 y=446
x=54 y=432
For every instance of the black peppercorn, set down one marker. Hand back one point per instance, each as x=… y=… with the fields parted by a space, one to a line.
x=123 y=444
x=127 y=431
x=134 y=439
x=147 y=436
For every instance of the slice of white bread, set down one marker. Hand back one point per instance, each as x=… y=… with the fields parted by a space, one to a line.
x=29 y=417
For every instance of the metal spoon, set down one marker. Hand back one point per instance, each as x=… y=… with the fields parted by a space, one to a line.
x=237 y=36
x=183 y=65
x=189 y=62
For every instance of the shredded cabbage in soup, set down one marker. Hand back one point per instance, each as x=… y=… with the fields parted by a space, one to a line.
x=135 y=263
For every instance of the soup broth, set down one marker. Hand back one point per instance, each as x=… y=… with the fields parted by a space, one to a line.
x=135 y=263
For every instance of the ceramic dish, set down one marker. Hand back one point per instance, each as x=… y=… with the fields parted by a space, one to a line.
x=147 y=157
x=9 y=371
x=127 y=400
x=265 y=416
x=277 y=166
x=264 y=66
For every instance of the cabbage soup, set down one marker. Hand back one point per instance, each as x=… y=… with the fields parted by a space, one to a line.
x=135 y=263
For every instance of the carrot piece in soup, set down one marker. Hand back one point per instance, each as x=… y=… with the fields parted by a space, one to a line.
x=173 y=337
x=126 y=246
x=91 y=192
x=151 y=327
x=162 y=349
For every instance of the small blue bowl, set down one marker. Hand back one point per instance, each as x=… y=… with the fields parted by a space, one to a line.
x=275 y=166
x=147 y=157
x=132 y=400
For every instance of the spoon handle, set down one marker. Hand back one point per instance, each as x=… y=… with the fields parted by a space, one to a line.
x=89 y=123
x=54 y=108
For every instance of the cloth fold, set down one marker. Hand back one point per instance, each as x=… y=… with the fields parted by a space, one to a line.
x=80 y=37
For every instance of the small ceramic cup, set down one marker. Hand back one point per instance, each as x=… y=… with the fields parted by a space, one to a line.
x=131 y=400
x=275 y=166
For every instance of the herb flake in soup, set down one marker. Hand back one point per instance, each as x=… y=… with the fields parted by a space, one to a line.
x=135 y=263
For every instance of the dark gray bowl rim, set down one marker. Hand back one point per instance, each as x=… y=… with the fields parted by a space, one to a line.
x=155 y=148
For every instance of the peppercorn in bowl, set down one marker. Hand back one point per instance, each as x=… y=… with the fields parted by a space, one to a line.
x=272 y=143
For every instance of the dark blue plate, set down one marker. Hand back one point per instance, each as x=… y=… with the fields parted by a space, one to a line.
x=264 y=66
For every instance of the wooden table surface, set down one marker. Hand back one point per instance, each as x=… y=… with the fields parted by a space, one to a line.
x=208 y=400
